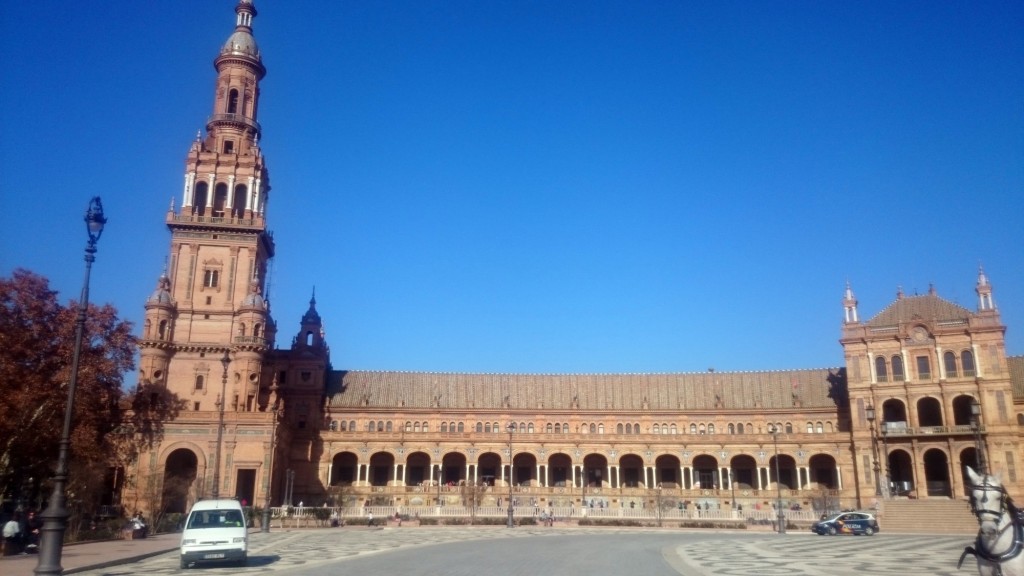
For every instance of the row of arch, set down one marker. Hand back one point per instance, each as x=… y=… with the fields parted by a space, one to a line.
x=559 y=470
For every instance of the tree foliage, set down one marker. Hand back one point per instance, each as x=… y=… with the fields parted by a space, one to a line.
x=37 y=338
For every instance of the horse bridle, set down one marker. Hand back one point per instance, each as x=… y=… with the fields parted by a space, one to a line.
x=980 y=550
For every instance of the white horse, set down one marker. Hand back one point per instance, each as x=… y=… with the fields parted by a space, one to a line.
x=1000 y=540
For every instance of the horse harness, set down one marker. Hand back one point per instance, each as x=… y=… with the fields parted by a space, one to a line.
x=980 y=550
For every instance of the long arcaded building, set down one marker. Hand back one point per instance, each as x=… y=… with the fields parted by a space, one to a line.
x=898 y=420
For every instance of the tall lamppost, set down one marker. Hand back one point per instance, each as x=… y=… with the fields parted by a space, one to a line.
x=56 y=514
x=870 y=410
x=885 y=452
x=979 y=445
x=265 y=525
x=440 y=478
x=511 y=467
x=225 y=361
x=778 y=479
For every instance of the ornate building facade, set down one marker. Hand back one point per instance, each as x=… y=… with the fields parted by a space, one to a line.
x=269 y=424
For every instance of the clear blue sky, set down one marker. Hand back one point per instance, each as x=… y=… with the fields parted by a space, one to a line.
x=543 y=186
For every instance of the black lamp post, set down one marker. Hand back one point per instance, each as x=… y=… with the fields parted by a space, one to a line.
x=225 y=361
x=870 y=410
x=265 y=524
x=979 y=445
x=55 y=516
x=511 y=467
x=885 y=454
x=778 y=479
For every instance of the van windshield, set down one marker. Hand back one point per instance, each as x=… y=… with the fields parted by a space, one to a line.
x=215 y=519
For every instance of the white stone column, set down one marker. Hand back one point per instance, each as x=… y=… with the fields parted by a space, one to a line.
x=249 y=193
x=190 y=180
x=257 y=193
x=212 y=192
x=394 y=474
x=839 y=476
x=977 y=361
x=229 y=200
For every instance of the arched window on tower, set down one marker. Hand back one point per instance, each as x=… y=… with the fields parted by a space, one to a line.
x=618 y=428
x=949 y=362
x=967 y=363
x=479 y=427
x=257 y=330
x=199 y=382
x=238 y=200
x=241 y=329
x=220 y=199
x=162 y=330
x=200 y=198
x=233 y=101
x=881 y=372
x=593 y=428
x=732 y=428
x=444 y=426
x=558 y=428
x=693 y=428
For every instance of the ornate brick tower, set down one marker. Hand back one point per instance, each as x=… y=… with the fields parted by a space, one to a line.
x=207 y=329
x=209 y=301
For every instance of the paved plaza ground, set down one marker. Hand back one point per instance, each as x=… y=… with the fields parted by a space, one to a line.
x=457 y=551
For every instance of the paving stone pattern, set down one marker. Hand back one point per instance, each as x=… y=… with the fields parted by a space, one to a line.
x=327 y=551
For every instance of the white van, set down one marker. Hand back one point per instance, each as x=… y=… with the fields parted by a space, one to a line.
x=215 y=531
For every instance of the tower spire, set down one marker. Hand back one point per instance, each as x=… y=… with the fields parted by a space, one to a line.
x=984 y=290
x=849 y=306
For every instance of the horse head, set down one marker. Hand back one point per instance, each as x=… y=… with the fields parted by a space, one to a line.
x=989 y=501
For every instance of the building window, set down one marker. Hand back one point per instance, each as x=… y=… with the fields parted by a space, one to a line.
x=233 y=101
x=199 y=382
x=810 y=428
x=480 y=427
x=352 y=425
x=487 y=427
x=416 y=427
x=967 y=363
x=820 y=428
x=196 y=406
x=949 y=360
x=924 y=369
x=593 y=428
x=711 y=428
x=674 y=429
x=693 y=428
x=880 y=370
x=444 y=426
x=558 y=428
x=229 y=146
x=897 y=369
x=211 y=278
x=388 y=426
x=657 y=429
x=789 y=428
x=549 y=428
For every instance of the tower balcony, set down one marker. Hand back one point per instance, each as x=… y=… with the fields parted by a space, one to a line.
x=218 y=220
x=234 y=121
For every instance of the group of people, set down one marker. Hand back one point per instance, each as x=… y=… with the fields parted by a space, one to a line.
x=21 y=535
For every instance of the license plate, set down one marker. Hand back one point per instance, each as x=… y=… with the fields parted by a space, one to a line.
x=213 y=556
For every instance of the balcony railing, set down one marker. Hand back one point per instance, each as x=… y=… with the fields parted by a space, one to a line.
x=235 y=119
x=218 y=219
x=957 y=429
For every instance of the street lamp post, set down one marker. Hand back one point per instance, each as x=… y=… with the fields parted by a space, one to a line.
x=440 y=478
x=265 y=525
x=225 y=361
x=979 y=445
x=778 y=480
x=885 y=452
x=55 y=516
x=511 y=467
x=870 y=410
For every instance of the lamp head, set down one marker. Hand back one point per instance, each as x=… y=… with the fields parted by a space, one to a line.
x=870 y=410
x=94 y=219
x=975 y=407
x=511 y=427
x=225 y=361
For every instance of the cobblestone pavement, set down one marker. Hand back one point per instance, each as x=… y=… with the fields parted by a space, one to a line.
x=452 y=551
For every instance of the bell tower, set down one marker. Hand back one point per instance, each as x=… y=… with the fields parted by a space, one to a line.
x=209 y=301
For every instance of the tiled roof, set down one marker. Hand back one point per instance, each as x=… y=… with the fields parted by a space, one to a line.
x=695 y=391
x=926 y=308
x=1016 y=364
